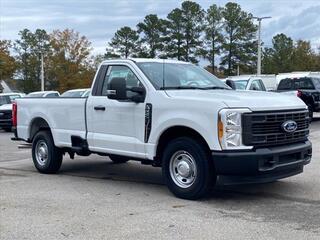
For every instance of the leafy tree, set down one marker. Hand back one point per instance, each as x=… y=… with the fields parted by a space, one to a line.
x=125 y=41
x=304 y=58
x=7 y=62
x=239 y=41
x=152 y=29
x=279 y=58
x=29 y=48
x=174 y=34
x=192 y=24
x=213 y=34
x=69 y=65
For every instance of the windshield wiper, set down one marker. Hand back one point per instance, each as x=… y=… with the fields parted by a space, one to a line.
x=182 y=87
x=216 y=87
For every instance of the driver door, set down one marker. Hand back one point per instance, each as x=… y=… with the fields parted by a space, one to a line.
x=116 y=126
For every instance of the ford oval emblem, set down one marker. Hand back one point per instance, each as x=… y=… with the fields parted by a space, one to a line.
x=289 y=126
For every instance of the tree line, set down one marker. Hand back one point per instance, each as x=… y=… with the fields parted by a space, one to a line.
x=67 y=60
x=225 y=37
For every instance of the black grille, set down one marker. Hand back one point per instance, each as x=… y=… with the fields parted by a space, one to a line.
x=5 y=114
x=262 y=129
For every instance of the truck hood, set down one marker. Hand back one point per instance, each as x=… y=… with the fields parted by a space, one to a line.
x=254 y=100
x=6 y=107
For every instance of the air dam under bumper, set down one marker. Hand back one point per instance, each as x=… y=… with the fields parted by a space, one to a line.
x=262 y=164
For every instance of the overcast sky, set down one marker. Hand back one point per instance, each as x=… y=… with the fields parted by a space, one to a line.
x=99 y=19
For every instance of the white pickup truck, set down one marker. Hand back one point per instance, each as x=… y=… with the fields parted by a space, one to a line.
x=173 y=115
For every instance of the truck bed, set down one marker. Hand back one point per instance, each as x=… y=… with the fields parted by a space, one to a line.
x=65 y=116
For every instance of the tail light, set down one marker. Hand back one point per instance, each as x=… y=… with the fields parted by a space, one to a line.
x=299 y=93
x=14 y=114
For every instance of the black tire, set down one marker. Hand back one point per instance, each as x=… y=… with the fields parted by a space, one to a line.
x=118 y=159
x=205 y=173
x=51 y=163
x=7 y=129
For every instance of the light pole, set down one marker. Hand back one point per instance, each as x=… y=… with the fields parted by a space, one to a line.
x=259 y=19
x=42 y=73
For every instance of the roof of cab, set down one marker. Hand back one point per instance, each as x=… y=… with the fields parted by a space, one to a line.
x=138 y=60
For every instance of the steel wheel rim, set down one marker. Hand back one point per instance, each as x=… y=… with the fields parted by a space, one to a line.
x=41 y=152
x=183 y=169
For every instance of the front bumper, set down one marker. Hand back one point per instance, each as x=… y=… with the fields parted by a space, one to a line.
x=262 y=164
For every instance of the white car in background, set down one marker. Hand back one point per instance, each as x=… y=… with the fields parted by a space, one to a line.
x=43 y=94
x=76 y=93
x=265 y=82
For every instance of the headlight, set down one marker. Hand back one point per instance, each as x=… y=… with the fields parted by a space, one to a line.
x=230 y=129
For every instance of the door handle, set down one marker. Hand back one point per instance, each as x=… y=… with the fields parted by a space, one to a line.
x=99 y=108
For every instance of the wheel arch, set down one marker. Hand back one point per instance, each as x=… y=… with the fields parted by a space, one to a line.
x=175 y=132
x=37 y=124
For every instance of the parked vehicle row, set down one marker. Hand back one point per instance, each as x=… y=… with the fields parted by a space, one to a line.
x=173 y=115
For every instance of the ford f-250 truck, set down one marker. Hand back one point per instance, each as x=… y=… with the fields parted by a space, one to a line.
x=173 y=115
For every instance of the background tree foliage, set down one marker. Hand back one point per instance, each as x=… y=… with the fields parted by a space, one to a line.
x=152 y=29
x=124 y=42
x=213 y=34
x=29 y=48
x=285 y=55
x=7 y=62
x=239 y=44
x=68 y=62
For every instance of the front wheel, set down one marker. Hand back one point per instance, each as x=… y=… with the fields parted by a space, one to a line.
x=188 y=168
x=47 y=158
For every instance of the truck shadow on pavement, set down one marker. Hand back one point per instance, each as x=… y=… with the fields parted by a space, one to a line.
x=270 y=202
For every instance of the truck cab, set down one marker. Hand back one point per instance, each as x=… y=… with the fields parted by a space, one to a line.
x=173 y=115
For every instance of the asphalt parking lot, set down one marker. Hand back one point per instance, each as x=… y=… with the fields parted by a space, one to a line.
x=92 y=198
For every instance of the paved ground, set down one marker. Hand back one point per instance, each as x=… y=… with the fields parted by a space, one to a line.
x=92 y=198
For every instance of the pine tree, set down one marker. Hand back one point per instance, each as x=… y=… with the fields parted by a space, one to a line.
x=239 y=44
x=125 y=41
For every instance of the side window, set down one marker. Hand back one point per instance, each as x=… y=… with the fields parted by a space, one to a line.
x=285 y=84
x=303 y=83
x=256 y=85
x=316 y=82
x=120 y=72
x=52 y=95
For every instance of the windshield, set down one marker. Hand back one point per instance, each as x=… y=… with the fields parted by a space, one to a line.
x=241 y=85
x=74 y=94
x=179 y=76
x=4 y=100
x=8 y=99
x=316 y=82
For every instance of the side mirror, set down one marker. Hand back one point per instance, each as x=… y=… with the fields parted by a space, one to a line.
x=231 y=84
x=140 y=94
x=117 y=89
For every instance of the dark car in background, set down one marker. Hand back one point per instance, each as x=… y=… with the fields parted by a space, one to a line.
x=306 y=88
x=6 y=100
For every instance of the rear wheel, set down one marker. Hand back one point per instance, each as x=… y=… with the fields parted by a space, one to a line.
x=188 y=168
x=47 y=158
x=118 y=159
